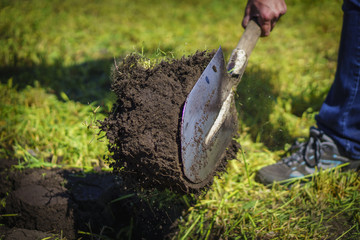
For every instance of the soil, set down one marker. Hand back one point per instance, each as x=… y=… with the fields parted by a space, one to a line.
x=143 y=128
x=55 y=203
x=143 y=132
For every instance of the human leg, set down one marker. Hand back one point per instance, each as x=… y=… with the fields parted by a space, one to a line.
x=339 y=116
x=337 y=140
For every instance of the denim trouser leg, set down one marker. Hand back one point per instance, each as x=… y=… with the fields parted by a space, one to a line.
x=339 y=116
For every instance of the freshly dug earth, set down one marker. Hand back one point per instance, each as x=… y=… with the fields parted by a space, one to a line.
x=55 y=203
x=143 y=128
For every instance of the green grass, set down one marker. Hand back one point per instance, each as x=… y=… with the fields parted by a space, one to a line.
x=55 y=61
x=324 y=207
x=40 y=130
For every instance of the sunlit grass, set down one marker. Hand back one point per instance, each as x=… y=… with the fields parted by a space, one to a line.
x=40 y=130
x=325 y=207
x=59 y=55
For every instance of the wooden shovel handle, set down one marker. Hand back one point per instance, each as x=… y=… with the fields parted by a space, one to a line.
x=246 y=44
x=249 y=38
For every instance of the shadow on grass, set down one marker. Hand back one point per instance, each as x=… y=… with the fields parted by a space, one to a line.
x=255 y=101
x=90 y=82
x=105 y=208
x=87 y=82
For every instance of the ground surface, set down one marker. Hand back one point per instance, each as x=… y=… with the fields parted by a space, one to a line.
x=69 y=203
x=55 y=59
x=143 y=130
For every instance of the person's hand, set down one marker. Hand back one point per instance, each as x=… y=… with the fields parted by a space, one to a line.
x=267 y=13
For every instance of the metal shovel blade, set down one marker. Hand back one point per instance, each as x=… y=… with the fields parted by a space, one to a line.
x=207 y=121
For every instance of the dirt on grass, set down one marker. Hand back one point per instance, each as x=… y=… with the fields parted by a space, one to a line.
x=71 y=204
x=143 y=128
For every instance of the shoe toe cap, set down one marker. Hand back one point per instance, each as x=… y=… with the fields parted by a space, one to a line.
x=272 y=173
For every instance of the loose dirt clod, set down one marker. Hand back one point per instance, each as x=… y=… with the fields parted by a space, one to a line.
x=143 y=128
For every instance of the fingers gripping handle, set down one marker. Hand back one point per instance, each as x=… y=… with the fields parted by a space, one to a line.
x=241 y=53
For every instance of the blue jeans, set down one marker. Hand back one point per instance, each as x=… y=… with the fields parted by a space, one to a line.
x=339 y=116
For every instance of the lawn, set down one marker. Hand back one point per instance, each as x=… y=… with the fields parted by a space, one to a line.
x=55 y=66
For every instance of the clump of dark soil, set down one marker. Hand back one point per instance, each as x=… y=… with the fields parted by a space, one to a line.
x=143 y=128
x=54 y=203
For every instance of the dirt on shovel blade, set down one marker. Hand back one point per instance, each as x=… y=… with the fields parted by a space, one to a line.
x=143 y=128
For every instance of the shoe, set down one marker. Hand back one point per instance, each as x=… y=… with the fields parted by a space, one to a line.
x=319 y=152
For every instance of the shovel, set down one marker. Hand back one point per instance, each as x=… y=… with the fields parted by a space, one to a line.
x=209 y=117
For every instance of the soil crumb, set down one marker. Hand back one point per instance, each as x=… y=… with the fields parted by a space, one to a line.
x=143 y=128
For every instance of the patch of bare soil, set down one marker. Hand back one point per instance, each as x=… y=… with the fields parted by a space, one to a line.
x=143 y=128
x=51 y=203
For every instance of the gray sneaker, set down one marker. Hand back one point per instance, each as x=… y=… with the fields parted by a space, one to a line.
x=319 y=152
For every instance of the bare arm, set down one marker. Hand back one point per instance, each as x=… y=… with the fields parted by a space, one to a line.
x=267 y=13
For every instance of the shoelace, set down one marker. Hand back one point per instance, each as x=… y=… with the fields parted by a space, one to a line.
x=303 y=150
